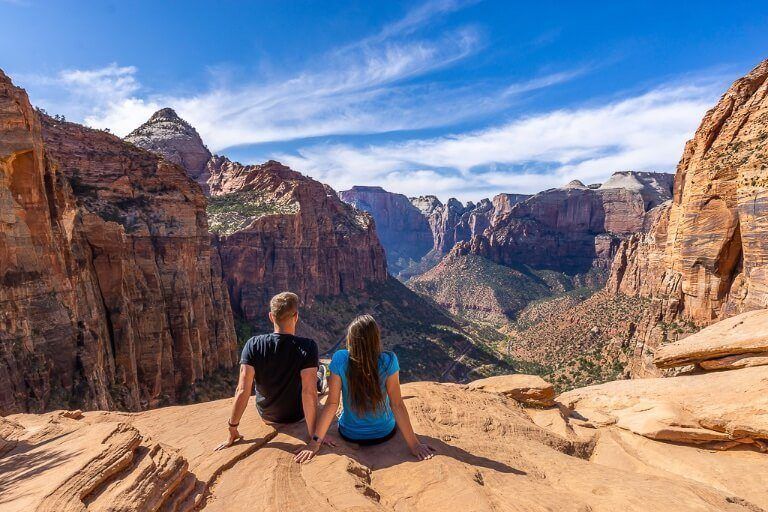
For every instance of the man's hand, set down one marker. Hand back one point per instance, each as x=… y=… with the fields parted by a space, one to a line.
x=234 y=436
x=305 y=454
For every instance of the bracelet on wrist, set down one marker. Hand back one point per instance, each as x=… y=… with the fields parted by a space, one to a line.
x=231 y=425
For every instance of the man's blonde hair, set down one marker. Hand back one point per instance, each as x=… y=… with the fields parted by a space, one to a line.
x=283 y=306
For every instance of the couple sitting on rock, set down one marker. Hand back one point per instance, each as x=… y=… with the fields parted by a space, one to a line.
x=362 y=377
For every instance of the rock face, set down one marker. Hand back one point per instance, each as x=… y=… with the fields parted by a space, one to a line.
x=574 y=228
x=454 y=222
x=176 y=140
x=601 y=449
x=279 y=230
x=403 y=230
x=706 y=256
x=111 y=295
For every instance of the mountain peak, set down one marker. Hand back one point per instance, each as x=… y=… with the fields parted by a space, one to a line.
x=173 y=138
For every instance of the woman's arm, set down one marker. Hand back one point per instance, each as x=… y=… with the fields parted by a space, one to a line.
x=326 y=418
x=418 y=449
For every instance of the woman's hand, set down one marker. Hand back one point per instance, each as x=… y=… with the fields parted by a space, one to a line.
x=308 y=452
x=234 y=436
x=422 y=451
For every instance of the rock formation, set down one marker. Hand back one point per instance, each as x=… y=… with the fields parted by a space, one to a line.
x=687 y=443
x=111 y=295
x=403 y=230
x=174 y=139
x=279 y=230
x=574 y=228
x=705 y=256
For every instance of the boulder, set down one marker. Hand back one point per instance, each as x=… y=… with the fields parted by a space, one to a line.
x=529 y=390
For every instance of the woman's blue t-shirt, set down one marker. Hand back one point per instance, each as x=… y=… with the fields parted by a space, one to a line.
x=371 y=425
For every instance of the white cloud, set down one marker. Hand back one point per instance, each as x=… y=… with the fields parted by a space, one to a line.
x=360 y=88
x=644 y=132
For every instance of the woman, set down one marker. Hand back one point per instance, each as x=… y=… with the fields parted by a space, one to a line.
x=369 y=382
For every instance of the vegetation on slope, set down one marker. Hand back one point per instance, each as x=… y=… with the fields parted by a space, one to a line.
x=231 y=212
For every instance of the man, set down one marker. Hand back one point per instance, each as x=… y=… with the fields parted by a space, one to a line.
x=284 y=367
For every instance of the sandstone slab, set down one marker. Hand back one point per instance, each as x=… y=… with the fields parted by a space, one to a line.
x=526 y=389
x=742 y=338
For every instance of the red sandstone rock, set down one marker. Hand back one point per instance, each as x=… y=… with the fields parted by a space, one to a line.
x=705 y=256
x=403 y=230
x=573 y=228
x=109 y=296
x=281 y=230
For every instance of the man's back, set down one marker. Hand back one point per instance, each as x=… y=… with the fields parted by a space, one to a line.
x=278 y=360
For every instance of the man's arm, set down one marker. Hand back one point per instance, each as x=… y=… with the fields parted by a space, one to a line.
x=309 y=398
x=243 y=393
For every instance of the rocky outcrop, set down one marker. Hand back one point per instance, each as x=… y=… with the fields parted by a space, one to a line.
x=454 y=222
x=574 y=228
x=736 y=342
x=110 y=296
x=279 y=230
x=602 y=448
x=722 y=409
x=168 y=135
x=706 y=255
x=403 y=230
x=529 y=390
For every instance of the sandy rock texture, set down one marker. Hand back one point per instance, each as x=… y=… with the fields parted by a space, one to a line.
x=493 y=454
x=739 y=341
x=111 y=295
x=527 y=389
x=705 y=255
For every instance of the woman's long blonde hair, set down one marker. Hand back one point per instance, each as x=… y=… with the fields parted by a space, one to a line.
x=364 y=345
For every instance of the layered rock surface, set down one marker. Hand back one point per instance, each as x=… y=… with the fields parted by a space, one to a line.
x=403 y=230
x=706 y=256
x=574 y=228
x=492 y=454
x=111 y=295
x=280 y=230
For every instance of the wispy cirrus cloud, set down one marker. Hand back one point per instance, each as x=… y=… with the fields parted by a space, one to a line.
x=641 y=132
x=360 y=88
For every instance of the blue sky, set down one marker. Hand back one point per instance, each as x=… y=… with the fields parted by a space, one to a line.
x=447 y=97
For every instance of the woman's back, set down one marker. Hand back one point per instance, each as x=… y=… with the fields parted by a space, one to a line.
x=370 y=424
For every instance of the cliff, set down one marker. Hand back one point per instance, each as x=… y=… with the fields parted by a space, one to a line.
x=705 y=256
x=110 y=294
x=688 y=443
x=403 y=230
x=574 y=228
x=279 y=230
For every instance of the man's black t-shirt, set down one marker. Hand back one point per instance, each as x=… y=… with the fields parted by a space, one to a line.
x=278 y=360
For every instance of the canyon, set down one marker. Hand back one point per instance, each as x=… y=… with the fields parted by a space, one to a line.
x=275 y=229
x=111 y=296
